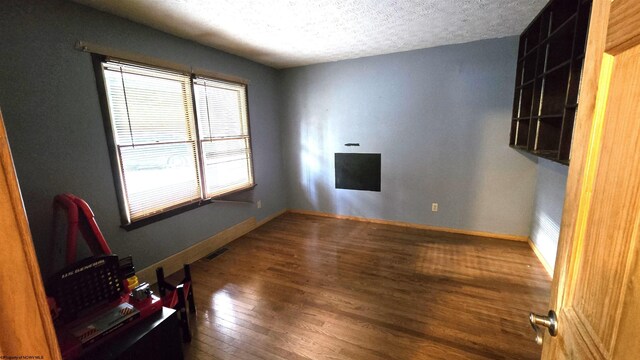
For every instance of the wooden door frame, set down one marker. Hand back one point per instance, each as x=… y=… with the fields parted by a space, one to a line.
x=25 y=319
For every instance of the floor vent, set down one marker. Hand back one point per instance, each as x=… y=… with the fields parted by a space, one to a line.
x=216 y=253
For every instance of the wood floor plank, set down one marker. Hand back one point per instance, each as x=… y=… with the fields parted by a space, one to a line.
x=309 y=287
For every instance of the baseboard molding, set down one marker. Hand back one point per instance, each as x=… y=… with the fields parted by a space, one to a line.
x=197 y=251
x=541 y=258
x=269 y=218
x=413 y=225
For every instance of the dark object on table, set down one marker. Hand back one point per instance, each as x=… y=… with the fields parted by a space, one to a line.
x=84 y=285
x=177 y=297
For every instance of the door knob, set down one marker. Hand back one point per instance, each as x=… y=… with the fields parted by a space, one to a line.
x=550 y=322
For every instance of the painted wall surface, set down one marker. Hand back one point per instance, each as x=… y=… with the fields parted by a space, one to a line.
x=549 y=200
x=50 y=103
x=440 y=117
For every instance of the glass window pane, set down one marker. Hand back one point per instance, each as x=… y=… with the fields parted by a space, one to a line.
x=159 y=176
x=227 y=165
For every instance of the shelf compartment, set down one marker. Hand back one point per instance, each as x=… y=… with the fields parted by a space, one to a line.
x=574 y=82
x=559 y=46
x=529 y=66
x=543 y=51
x=532 y=35
x=581 y=29
x=558 y=67
x=521 y=133
x=560 y=12
x=554 y=91
x=550 y=30
x=544 y=38
x=548 y=132
x=526 y=100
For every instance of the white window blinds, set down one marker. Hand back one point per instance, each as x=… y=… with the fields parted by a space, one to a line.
x=167 y=157
x=154 y=133
x=223 y=129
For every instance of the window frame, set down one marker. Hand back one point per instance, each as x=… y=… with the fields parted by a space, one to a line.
x=200 y=140
x=116 y=170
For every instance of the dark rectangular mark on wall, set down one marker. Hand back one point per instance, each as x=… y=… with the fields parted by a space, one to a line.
x=358 y=171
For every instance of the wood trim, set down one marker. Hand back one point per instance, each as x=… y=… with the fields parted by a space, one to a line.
x=270 y=217
x=623 y=32
x=589 y=175
x=413 y=225
x=196 y=252
x=541 y=258
x=579 y=334
x=27 y=316
x=148 y=60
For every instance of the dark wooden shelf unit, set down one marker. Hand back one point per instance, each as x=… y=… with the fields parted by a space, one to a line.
x=549 y=71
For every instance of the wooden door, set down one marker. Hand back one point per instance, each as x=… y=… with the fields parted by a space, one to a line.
x=25 y=323
x=596 y=288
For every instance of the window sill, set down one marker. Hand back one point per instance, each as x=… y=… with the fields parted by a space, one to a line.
x=184 y=208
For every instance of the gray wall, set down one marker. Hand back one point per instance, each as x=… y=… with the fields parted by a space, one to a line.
x=440 y=118
x=49 y=99
x=547 y=214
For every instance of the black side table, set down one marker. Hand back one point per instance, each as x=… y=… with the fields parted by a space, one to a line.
x=155 y=338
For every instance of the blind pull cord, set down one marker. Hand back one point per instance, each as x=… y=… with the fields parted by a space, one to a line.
x=126 y=103
x=206 y=97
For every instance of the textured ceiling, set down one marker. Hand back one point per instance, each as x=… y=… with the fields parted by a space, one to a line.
x=288 y=33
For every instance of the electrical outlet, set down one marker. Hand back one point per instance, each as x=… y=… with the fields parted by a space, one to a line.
x=259 y=204
x=434 y=207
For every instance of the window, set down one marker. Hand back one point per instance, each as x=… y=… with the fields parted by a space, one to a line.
x=178 y=139
x=224 y=135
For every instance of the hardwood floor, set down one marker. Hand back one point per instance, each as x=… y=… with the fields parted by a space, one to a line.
x=308 y=287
